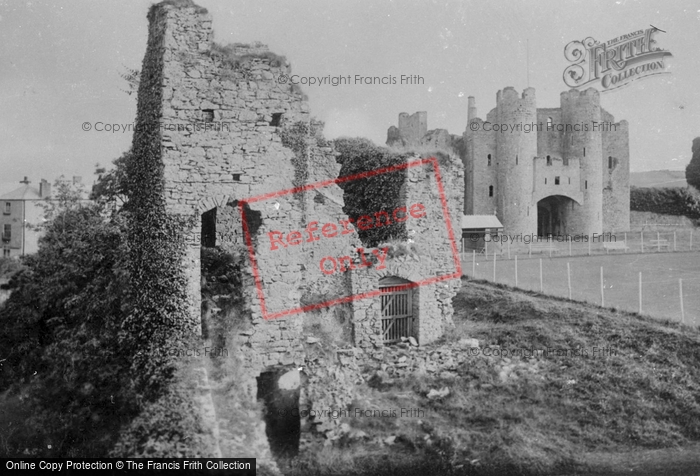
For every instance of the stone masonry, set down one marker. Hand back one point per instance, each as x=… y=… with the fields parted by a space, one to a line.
x=559 y=171
x=224 y=125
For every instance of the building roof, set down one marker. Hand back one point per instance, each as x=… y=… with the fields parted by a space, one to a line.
x=471 y=222
x=24 y=192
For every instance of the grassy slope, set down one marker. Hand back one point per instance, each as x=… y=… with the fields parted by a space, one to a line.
x=548 y=414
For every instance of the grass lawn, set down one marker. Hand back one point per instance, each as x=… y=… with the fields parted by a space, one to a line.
x=660 y=275
x=563 y=413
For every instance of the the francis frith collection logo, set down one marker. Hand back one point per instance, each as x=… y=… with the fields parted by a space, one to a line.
x=615 y=63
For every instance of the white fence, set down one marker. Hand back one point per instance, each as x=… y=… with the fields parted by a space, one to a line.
x=665 y=285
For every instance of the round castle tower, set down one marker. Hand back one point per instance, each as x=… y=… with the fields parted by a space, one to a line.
x=515 y=151
x=581 y=110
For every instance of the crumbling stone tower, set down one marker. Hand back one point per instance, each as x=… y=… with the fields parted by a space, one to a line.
x=218 y=110
x=219 y=139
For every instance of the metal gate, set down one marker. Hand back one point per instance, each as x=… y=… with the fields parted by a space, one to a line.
x=397 y=309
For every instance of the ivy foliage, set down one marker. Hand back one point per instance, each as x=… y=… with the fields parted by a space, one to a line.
x=372 y=194
x=666 y=201
x=159 y=325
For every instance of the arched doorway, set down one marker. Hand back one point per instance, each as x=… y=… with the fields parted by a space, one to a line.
x=278 y=390
x=552 y=215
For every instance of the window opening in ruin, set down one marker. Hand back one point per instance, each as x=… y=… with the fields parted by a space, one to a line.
x=208 y=231
x=610 y=162
x=236 y=177
x=549 y=160
x=489 y=157
x=396 y=309
x=556 y=180
x=208 y=115
x=490 y=190
x=276 y=119
x=281 y=412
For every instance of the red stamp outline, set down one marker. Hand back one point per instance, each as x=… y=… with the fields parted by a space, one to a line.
x=258 y=198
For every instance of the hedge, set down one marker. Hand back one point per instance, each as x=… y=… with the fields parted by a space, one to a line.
x=666 y=201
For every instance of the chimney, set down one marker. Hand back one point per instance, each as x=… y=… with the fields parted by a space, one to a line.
x=44 y=189
x=25 y=181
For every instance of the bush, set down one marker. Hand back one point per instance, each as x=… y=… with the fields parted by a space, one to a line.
x=666 y=201
x=692 y=171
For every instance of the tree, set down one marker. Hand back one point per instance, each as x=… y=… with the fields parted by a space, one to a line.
x=692 y=171
x=60 y=330
x=111 y=185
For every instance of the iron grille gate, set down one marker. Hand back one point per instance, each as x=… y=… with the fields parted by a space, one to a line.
x=397 y=312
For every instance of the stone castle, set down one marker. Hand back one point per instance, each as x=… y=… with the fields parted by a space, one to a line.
x=229 y=146
x=543 y=171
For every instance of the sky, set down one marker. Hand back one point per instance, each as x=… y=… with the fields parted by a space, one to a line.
x=60 y=66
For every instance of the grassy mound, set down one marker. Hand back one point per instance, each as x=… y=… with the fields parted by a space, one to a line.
x=562 y=381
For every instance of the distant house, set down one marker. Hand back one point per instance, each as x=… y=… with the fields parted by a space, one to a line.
x=20 y=212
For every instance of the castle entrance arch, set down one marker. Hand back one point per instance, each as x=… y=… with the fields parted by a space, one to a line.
x=553 y=213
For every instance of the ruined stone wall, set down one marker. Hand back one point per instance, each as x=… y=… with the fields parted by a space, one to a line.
x=235 y=147
x=427 y=254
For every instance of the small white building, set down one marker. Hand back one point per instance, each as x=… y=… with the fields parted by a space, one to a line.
x=476 y=227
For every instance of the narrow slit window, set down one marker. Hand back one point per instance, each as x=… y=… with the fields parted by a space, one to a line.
x=489 y=158
x=556 y=180
x=490 y=190
x=545 y=180
x=8 y=208
x=569 y=180
x=610 y=162
x=549 y=160
x=584 y=151
x=586 y=184
x=516 y=160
